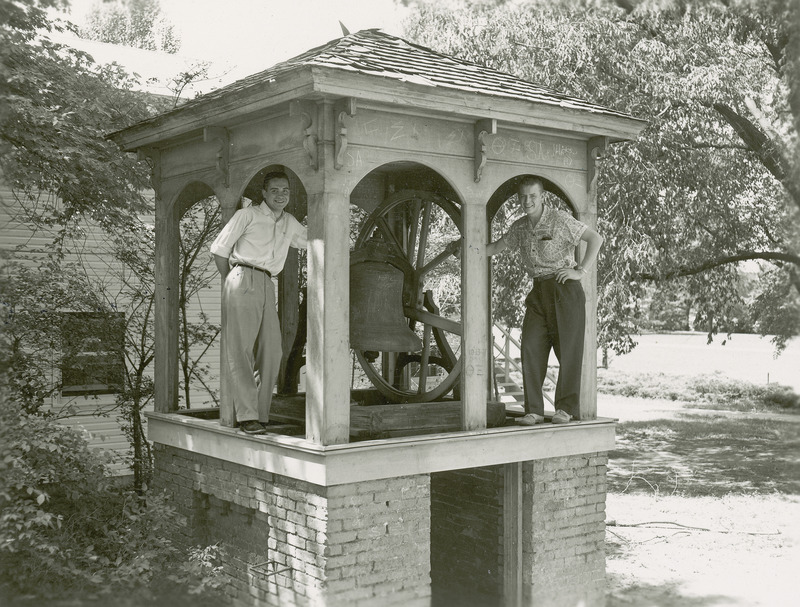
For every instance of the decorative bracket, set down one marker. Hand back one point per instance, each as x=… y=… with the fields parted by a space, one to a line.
x=487 y=126
x=220 y=135
x=153 y=158
x=344 y=106
x=595 y=148
x=307 y=111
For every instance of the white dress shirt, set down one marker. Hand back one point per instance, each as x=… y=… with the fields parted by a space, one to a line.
x=254 y=237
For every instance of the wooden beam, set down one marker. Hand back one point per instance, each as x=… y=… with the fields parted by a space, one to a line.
x=165 y=375
x=474 y=301
x=328 y=349
x=588 y=407
x=227 y=415
x=512 y=535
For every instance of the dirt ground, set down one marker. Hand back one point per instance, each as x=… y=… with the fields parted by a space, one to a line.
x=703 y=507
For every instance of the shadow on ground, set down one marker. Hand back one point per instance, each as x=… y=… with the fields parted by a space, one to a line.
x=706 y=456
x=663 y=595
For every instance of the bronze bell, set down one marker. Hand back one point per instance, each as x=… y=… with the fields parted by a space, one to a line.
x=376 y=303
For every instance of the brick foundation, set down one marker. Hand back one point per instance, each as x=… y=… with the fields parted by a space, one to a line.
x=511 y=534
x=561 y=518
x=292 y=543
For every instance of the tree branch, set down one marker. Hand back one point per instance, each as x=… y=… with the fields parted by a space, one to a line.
x=724 y=260
x=765 y=148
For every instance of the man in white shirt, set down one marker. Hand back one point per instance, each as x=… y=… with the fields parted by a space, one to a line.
x=249 y=251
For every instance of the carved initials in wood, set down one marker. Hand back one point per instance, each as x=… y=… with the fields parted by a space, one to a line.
x=344 y=106
x=307 y=111
x=222 y=137
x=484 y=127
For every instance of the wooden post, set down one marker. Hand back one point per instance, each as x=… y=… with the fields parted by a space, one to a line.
x=288 y=306
x=475 y=320
x=512 y=535
x=227 y=415
x=165 y=373
x=588 y=410
x=328 y=348
x=328 y=345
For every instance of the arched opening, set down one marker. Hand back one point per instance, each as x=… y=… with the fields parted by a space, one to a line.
x=509 y=284
x=405 y=284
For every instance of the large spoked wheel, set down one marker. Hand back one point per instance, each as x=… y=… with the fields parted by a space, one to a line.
x=422 y=227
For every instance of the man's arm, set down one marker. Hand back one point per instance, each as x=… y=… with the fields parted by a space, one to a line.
x=498 y=246
x=222 y=265
x=593 y=242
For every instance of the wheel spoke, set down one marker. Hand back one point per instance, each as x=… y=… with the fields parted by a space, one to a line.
x=440 y=322
x=390 y=236
x=432 y=264
x=412 y=240
x=423 y=235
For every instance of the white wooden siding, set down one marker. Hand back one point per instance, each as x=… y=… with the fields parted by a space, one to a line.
x=92 y=249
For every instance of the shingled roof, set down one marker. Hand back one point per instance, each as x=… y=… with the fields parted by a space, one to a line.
x=375 y=53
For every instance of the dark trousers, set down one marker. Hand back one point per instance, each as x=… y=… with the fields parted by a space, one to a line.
x=555 y=317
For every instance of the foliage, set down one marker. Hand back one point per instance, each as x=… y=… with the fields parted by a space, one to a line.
x=57 y=107
x=136 y=23
x=703 y=391
x=66 y=530
x=712 y=181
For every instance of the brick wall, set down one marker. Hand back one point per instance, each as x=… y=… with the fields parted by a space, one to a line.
x=291 y=543
x=564 y=503
x=467 y=536
x=562 y=517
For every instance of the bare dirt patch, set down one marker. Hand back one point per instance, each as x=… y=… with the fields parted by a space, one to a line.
x=703 y=506
x=734 y=550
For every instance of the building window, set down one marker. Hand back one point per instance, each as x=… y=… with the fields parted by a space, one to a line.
x=92 y=353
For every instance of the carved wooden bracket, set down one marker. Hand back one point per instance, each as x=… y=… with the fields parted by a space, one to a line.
x=153 y=158
x=220 y=135
x=307 y=111
x=344 y=106
x=595 y=148
x=487 y=126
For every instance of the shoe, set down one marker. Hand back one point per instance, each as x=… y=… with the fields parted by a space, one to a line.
x=531 y=419
x=561 y=417
x=252 y=427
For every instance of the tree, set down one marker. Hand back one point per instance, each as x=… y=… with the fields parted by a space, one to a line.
x=136 y=23
x=712 y=181
x=67 y=181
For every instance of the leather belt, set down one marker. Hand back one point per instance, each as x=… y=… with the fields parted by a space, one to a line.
x=545 y=277
x=247 y=265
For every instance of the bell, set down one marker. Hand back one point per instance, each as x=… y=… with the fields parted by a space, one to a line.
x=376 y=309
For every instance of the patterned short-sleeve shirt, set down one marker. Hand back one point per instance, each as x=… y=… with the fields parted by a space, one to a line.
x=549 y=246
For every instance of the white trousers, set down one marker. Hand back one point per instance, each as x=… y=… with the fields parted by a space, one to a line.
x=252 y=341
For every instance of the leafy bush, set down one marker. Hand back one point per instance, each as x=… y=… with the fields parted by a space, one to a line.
x=68 y=530
x=702 y=391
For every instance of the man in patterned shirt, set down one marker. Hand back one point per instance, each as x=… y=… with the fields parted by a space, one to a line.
x=249 y=251
x=544 y=240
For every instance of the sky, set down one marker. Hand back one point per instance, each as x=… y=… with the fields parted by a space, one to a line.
x=247 y=36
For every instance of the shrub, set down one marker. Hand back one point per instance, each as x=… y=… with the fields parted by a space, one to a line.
x=68 y=530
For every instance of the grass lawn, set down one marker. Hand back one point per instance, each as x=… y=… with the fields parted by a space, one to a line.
x=704 y=505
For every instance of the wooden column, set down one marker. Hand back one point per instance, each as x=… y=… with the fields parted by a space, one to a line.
x=474 y=303
x=166 y=307
x=227 y=415
x=328 y=348
x=595 y=147
x=328 y=344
